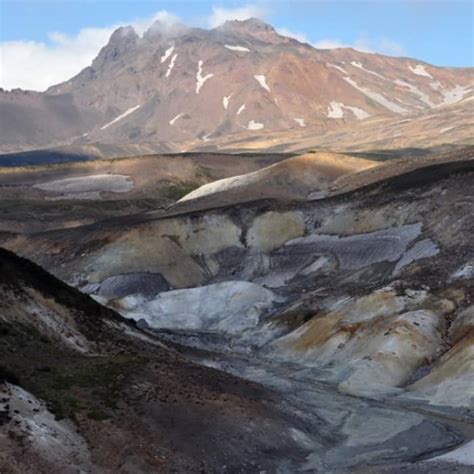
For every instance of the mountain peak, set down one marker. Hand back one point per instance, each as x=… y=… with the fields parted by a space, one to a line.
x=123 y=34
x=251 y=24
x=252 y=28
x=122 y=39
x=161 y=28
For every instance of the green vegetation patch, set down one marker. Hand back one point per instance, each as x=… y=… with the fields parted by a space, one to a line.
x=69 y=382
x=50 y=211
x=205 y=172
x=176 y=191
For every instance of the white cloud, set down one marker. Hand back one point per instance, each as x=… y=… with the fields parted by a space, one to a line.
x=364 y=44
x=391 y=48
x=167 y=20
x=301 y=37
x=220 y=15
x=329 y=44
x=37 y=65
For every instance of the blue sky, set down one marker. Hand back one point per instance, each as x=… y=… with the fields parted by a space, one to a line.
x=61 y=35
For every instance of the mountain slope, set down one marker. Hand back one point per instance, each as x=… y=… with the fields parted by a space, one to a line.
x=242 y=79
x=82 y=389
x=294 y=178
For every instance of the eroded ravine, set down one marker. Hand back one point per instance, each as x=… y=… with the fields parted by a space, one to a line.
x=341 y=431
x=355 y=311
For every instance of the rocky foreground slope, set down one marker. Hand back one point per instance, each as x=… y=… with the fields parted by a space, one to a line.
x=83 y=390
x=351 y=314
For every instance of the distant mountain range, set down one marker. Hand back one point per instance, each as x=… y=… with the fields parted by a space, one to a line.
x=241 y=85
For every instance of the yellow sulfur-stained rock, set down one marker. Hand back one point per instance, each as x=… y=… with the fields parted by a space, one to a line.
x=272 y=229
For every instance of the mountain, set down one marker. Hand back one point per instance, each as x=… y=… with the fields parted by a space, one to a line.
x=229 y=312
x=189 y=88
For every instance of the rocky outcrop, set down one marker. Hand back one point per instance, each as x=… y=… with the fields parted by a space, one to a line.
x=371 y=345
x=451 y=379
x=231 y=307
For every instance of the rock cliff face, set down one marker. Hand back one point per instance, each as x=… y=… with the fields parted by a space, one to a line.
x=236 y=84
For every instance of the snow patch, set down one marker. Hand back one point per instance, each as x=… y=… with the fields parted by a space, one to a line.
x=300 y=121
x=173 y=120
x=360 y=114
x=116 y=183
x=167 y=54
x=454 y=95
x=335 y=110
x=414 y=90
x=171 y=65
x=420 y=70
x=120 y=117
x=252 y=125
x=261 y=79
x=200 y=79
x=339 y=68
x=445 y=129
x=379 y=98
x=359 y=65
x=241 y=109
x=224 y=184
x=225 y=101
x=242 y=49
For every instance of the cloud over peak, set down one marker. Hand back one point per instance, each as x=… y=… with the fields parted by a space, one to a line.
x=220 y=15
x=160 y=20
x=363 y=44
x=37 y=65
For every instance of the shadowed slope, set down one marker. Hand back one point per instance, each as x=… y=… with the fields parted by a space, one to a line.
x=135 y=404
